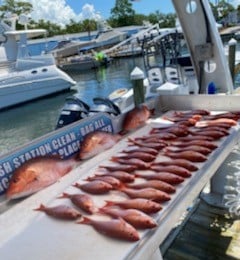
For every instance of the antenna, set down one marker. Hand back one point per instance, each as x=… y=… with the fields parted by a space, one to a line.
x=24 y=20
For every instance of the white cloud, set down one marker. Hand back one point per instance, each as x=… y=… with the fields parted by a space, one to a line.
x=88 y=12
x=59 y=12
x=235 y=3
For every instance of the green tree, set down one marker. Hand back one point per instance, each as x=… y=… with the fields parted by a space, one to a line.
x=89 y=25
x=238 y=10
x=221 y=9
x=165 y=20
x=139 y=18
x=52 y=28
x=122 y=14
x=224 y=9
x=15 y=7
x=73 y=27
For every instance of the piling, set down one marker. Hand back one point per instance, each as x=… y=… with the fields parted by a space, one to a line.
x=137 y=77
x=231 y=57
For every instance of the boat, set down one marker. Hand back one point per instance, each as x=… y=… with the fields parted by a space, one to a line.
x=72 y=55
x=133 y=45
x=81 y=62
x=167 y=69
x=174 y=72
x=24 y=77
x=35 y=234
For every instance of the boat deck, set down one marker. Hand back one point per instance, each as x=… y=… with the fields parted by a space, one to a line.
x=209 y=233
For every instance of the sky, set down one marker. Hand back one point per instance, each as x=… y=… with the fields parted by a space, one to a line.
x=61 y=11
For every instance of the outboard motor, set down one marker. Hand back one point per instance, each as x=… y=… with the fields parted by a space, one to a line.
x=73 y=110
x=104 y=105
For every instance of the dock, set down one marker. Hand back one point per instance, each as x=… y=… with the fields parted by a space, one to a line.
x=207 y=230
x=209 y=233
x=230 y=30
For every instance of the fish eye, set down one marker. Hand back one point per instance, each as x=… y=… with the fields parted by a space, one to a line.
x=15 y=180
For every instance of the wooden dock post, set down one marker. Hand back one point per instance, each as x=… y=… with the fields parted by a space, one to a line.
x=231 y=57
x=137 y=77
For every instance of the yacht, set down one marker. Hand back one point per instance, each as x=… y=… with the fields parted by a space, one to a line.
x=24 y=77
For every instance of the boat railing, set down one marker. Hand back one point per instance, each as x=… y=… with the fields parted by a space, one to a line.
x=133 y=38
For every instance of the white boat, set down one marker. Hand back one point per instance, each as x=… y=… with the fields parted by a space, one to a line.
x=177 y=74
x=35 y=235
x=24 y=77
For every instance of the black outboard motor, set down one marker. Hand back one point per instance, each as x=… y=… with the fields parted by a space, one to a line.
x=104 y=105
x=73 y=110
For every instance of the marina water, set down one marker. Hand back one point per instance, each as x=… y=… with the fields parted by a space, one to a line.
x=23 y=123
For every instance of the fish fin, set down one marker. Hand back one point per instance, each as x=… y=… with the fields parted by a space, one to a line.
x=76 y=185
x=41 y=208
x=152 y=112
x=84 y=220
x=75 y=157
x=89 y=178
x=64 y=195
x=123 y=132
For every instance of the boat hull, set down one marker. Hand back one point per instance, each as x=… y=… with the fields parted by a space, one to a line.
x=27 y=86
x=80 y=66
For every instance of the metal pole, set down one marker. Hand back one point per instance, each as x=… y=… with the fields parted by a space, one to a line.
x=137 y=77
x=231 y=57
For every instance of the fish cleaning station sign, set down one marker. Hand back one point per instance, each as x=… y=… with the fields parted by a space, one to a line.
x=64 y=142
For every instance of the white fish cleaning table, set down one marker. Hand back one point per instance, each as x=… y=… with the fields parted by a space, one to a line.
x=27 y=233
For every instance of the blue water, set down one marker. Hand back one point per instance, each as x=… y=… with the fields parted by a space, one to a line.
x=22 y=124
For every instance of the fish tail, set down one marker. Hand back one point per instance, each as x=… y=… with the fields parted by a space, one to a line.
x=115 y=158
x=122 y=186
x=41 y=208
x=154 y=130
x=196 y=117
x=76 y=185
x=64 y=195
x=109 y=203
x=192 y=121
x=84 y=220
x=123 y=132
x=101 y=210
x=136 y=175
x=132 y=141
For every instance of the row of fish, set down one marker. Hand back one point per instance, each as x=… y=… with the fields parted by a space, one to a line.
x=147 y=172
x=40 y=172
